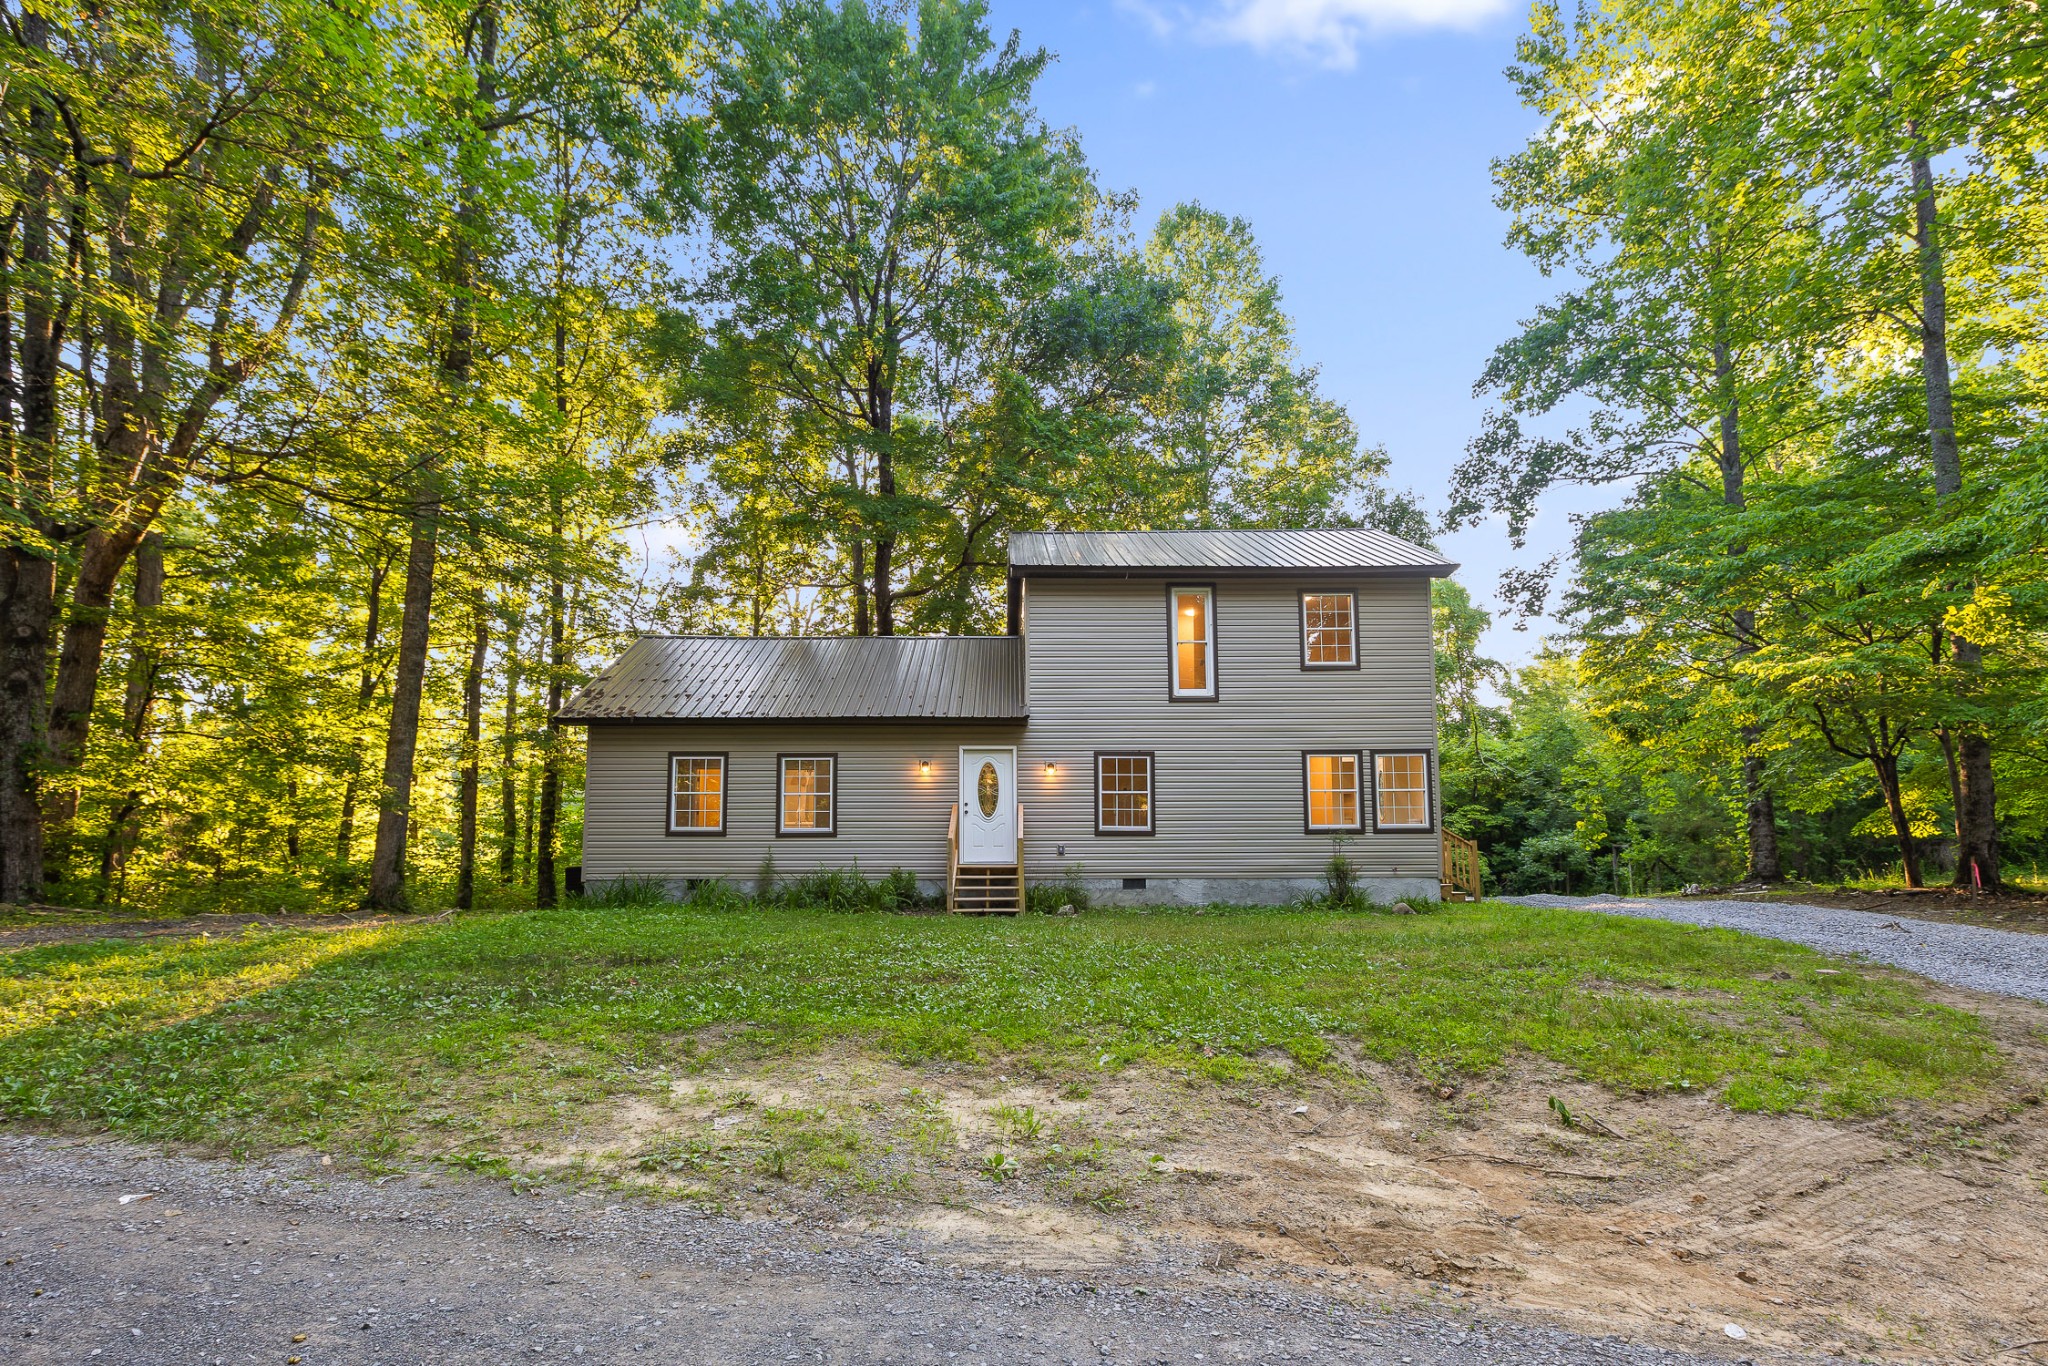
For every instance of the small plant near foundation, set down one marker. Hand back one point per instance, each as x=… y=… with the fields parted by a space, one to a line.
x=1340 y=875
x=623 y=892
x=1049 y=897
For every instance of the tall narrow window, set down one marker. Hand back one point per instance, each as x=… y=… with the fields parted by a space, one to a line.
x=1333 y=796
x=696 y=794
x=807 y=792
x=1123 y=794
x=1194 y=642
x=1329 y=634
x=1401 y=791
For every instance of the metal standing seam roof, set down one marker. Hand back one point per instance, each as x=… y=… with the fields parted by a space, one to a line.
x=1255 y=551
x=808 y=678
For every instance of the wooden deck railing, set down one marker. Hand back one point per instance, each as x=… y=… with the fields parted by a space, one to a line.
x=1461 y=865
x=1020 y=858
x=953 y=861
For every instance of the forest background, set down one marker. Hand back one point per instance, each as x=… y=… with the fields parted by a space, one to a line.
x=345 y=353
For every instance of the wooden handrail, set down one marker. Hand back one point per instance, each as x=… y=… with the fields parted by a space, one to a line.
x=1461 y=864
x=953 y=861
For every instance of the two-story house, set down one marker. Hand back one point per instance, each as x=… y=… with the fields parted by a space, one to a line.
x=1173 y=716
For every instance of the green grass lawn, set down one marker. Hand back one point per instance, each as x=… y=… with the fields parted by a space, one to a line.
x=373 y=1039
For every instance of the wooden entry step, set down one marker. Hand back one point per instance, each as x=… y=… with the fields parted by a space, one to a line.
x=992 y=890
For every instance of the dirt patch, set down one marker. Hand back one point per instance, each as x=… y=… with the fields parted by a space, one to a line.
x=1669 y=1217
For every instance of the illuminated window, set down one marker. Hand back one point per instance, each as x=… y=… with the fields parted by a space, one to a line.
x=1333 y=796
x=1123 y=794
x=1401 y=791
x=807 y=794
x=696 y=794
x=1194 y=642
x=1329 y=637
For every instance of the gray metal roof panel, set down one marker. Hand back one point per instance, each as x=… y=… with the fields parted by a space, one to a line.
x=808 y=678
x=1257 y=551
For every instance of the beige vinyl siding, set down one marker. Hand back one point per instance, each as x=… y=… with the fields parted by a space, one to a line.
x=1227 y=786
x=888 y=814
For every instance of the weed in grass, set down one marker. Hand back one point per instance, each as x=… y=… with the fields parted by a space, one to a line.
x=1106 y=1197
x=773 y=1162
x=1023 y=1122
x=999 y=1166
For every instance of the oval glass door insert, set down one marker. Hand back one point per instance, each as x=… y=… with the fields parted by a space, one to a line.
x=988 y=786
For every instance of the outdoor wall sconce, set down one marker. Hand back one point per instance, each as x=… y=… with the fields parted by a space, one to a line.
x=924 y=766
x=1051 y=768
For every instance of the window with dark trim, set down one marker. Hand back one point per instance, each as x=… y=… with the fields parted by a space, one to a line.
x=807 y=792
x=1123 y=794
x=1401 y=790
x=696 y=794
x=1191 y=631
x=1331 y=792
x=1329 y=631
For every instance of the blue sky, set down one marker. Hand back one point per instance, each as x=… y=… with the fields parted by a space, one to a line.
x=1356 y=136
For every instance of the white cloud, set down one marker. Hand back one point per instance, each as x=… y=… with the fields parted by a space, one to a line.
x=1327 y=31
x=1151 y=15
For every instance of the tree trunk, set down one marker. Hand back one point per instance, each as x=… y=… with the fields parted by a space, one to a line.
x=29 y=583
x=102 y=556
x=1943 y=453
x=526 y=834
x=1977 y=804
x=394 y=807
x=401 y=740
x=1887 y=768
x=1759 y=810
x=1977 y=817
x=551 y=748
x=861 y=622
x=882 y=406
x=472 y=755
x=508 y=775
x=366 y=691
x=144 y=664
x=1766 y=863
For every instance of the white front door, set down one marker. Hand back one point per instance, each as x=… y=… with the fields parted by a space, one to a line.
x=988 y=806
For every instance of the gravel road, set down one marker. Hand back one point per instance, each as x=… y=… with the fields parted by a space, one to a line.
x=281 y=1263
x=2001 y=961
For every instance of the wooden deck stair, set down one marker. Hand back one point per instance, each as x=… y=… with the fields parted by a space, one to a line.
x=983 y=889
x=1461 y=869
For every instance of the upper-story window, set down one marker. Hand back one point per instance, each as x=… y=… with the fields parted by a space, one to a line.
x=1329 y=631
x=1193 y=632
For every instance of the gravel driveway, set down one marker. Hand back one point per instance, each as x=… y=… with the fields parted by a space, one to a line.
x=2002 y=961
x=230 y=1263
